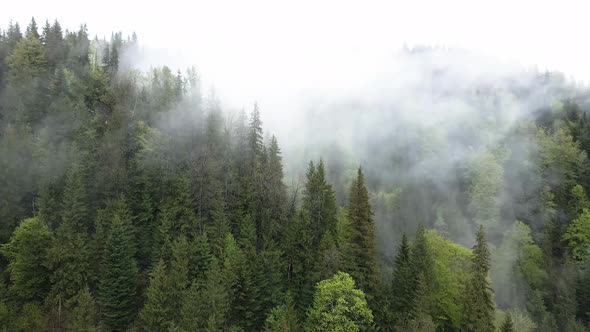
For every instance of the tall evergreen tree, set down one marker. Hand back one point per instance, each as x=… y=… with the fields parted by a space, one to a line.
x=479 y=305
x=156 y=313
x=507 y=325
x=68 y=258
x=83 y=315
x=364 y=250
x=422 y=264
x=32 y=29
x=403 y=283
x=179 y=276
x=319 y=203
x=118 y=278
x=275 y=194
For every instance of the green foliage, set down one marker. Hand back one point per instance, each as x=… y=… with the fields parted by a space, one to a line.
x=83 y=314
x=206 y=306
x=403 y=282
x=210 y=240
x=338 y=306
x=486 y=184
x=30 y=318
x=282 y=318
x=26 y=253
x=451 y=273
x=479 y=305
x=507 y=325
x=319 y=203
x=577 y=236
x=517 y=270
x=27 y=60
x=118 y=277
x=156 y=313
x=363 y=247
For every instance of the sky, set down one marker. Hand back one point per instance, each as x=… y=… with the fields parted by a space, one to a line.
x=274 y=52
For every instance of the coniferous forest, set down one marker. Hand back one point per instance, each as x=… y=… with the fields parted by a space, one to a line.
x=132 y=201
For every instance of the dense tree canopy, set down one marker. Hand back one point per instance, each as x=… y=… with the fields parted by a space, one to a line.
x=128 y=201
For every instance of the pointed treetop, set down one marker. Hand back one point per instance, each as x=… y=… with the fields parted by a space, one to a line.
x=32 y=30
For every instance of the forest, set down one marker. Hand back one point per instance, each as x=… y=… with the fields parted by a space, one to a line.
x=132 y=201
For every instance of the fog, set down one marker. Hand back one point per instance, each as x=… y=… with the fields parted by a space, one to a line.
x=355 y=86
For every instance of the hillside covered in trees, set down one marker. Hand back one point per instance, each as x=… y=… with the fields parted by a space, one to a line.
x=131 y=202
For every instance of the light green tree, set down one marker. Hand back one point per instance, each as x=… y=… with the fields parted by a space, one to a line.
x=27 y=260
x=577 y=236
x=338 y=306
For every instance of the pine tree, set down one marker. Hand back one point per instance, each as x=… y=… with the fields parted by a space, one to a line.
x=422 y=263
x=156 y=313
x=70 y=253
x=319 y=203
x=275 y=194
x=118 y=278
x=179 y=276
x=32 y=29
x=300 y=261
x=253 y=193
x=403 y=284
x=247 y=304
x=200 y=258
x=479 y=305
x=364 y=249
x=83 y=316
x=209 y=201
x=207 y=305
x=282 y=317
x=27 y=61
x=507 y=325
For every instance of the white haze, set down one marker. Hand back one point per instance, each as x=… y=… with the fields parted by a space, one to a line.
x=287 y=55
x=332 y=80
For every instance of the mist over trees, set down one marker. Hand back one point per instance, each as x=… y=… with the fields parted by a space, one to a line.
x=133 y=201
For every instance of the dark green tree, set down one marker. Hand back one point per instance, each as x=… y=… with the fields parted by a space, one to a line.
x=32 y=29
x=507 y=325
x=83 y=314
x=422 y=264
x=156 y=313
x=275 y=195
x=319 y=203
x=117 y=291
x=403 y=282
x=364 y=250
x=479 y=304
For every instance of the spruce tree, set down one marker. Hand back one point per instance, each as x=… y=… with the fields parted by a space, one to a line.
x=207 y=305
x=364 y=249
x=32 y=29
x=178 y=275
x=118 y=277
x=156 y=313
x=300 y=261
x=83 y=315
x=200 y=257
x=422 y=263
x=507 y=325
x=479 y=305
x=70 y=253
x=403 y=283
x=248 y=299
x=319 y=203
